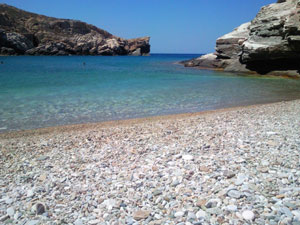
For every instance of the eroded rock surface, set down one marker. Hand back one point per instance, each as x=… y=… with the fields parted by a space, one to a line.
x=269 y=44
x=22 y=32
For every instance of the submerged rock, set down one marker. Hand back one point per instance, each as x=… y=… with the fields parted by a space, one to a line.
x=27 y=33
x=269 y=44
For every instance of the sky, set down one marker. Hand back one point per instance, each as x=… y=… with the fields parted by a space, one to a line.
x=175 y=26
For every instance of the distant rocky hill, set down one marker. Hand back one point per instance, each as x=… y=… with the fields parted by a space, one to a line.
x=27 y=33
x=269 y=44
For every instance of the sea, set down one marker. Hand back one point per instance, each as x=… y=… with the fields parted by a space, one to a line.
x=45 y=91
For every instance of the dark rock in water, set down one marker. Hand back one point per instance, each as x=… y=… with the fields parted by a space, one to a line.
x=27 y=33
x=269 y=44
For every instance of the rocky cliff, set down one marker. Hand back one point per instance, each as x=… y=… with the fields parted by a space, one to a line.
x=269 y=44
x=27 y=33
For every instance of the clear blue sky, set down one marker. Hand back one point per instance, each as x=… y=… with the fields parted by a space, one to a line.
x=175 y=26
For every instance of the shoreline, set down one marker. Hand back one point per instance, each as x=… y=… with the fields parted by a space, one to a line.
x=273 y=74
x=125 y=122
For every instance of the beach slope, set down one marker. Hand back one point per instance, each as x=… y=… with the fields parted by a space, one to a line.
x=233 y=166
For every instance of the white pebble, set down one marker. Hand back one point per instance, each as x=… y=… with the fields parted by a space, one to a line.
x=188 y=157
x=179 y=214
x=248 y=215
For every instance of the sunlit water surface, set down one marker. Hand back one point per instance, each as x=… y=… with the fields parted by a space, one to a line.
x=48 y=91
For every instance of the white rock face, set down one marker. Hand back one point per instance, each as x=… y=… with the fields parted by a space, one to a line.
x=269 y=44
x=239 y=32
x=269 y=31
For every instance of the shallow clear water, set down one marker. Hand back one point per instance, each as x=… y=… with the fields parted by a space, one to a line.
x=47 y=91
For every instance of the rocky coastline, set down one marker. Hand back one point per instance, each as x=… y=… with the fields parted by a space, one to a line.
x=269 y=44
x=25 y=33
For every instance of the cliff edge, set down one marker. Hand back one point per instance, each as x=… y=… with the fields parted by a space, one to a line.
x=269 y=44
x=25 y=33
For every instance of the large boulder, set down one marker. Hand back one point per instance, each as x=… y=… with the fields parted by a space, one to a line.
x=22 y=32
x=269 y=44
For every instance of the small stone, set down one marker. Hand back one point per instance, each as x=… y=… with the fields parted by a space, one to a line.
x=232 y=208
x=94 y=222
x=78 y=222
x=154 y=168
x=228 y=174
x=264 y=170
x=110 y=203
x=43 y=177
x=129 y=220
x=141 y=214
x=234 y=194
x=221 y=219
x=10 y=211
x=286 y=211
x=157 y=192
x=296 y=214
x=3 y=218
x=240 y=179
x=175 y=183
x=191 y=216
x=179 y=214
x=290 y=205
x=74 y=196
x=30 y=193
x=188 y=157
x=42 y=158
x=32 y=222
x=212 y=203
x=201 y=202
x=265 y=163
x=240 y=160
x=8 y=201
x=248 y=215
x=204 y=169
x=157 y=216
x=280 y=196
x=39 y=209
x=201 y=214
x=123 y=205
x=17 y=215
x=286 y=221
x=214 y=211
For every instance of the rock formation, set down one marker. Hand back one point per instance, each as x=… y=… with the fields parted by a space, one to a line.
x=27 y=33
x=269 y=44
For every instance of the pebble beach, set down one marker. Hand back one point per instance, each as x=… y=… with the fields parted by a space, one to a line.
x=230 y=166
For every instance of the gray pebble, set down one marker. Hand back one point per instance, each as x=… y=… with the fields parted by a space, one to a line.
x=10 y=211
x=234 y=194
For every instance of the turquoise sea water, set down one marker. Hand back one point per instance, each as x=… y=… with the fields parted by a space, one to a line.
x=48 y=91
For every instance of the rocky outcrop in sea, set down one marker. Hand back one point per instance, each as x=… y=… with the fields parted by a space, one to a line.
x=269 y=44
x=25 y=33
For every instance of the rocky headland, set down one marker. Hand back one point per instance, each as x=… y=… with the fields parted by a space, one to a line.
x=25 y=33
x=269 y=44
